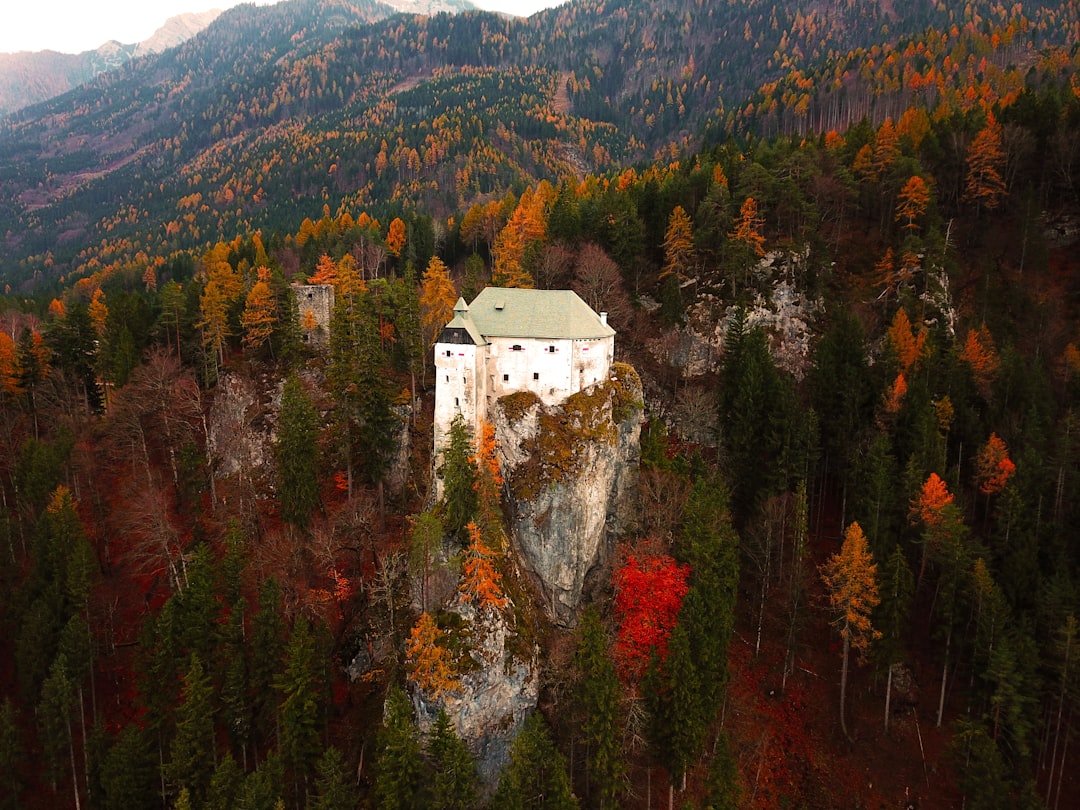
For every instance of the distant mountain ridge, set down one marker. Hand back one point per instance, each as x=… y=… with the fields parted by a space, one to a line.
x=273 y=112
x=30 y=77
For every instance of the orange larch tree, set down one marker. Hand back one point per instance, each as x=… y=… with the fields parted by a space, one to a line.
x=912 y=201
x=993 y=466
x=850 y=578
x=395 y=236
x=981 y=355
x=480 y=579
x=260 y=312
x=430 y=664
x=908 y=347
x=325 y=271
x=985 y=185
x=437 y=299
x=678 y=245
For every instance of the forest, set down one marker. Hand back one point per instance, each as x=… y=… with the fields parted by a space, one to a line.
x=849 y=578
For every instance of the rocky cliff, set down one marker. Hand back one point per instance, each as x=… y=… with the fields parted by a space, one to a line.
x=499 y=687
x=570 y=469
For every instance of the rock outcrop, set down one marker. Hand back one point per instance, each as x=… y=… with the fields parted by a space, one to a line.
x=570 y=469
x=500 y=686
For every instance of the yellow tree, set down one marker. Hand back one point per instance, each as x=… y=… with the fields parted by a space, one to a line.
x=260 y=312
x=430 y=664
x=986 y=159
x=906 y=345
x=99 y=312
x=508 y=254
x=749 y=241
x=395 y=237
x=912 y=201
x=850 y=578
x=437 y=299
x=678 y=245
x=214 y=320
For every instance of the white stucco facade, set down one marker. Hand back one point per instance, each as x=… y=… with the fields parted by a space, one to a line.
x=549 y=342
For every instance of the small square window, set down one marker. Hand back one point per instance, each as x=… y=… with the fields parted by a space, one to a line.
x=551 y=349
x=506 y=378
x=536 y=375
x=449 y=353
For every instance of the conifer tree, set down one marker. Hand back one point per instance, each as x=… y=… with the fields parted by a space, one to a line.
x=678 y=246
x=54 y=715
x=225 y=785
x=260 y=313
x=722 y=790
x=892 y=618
x=597 y=696
x=301 y=708
x=459 y=474
x=437 y=299
x=399 y=769
x=850 y=577
x=296 y=454
x=191 y=755
x=129 y=771
x=12 y=755
x=332 y=788
x=535 y=777
x=430 y=663
x=454 y=783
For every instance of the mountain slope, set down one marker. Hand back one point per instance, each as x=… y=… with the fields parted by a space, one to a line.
x=330 y=102
x=28 y=78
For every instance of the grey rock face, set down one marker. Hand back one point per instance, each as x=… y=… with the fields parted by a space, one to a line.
x=495 y=697
x=571 y=469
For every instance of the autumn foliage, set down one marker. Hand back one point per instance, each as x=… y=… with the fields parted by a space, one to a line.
x=994 y=467
x=430 y=665
x=932 y=499
x=481 y=580
x=649 y=591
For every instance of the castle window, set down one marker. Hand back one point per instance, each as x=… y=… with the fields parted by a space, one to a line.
x=536 y=375
x=457 y=402
x=449 y=353
x=516 y=348
x=448 y=378
x=506 y=378
x=551 y=349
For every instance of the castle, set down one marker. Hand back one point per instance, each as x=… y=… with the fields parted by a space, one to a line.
x=549 y=342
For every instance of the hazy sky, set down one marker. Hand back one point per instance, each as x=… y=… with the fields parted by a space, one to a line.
x=73 y=26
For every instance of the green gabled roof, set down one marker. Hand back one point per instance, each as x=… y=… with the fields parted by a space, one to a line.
x=550 y=314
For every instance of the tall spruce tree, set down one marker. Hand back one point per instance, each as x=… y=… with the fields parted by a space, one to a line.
x=301 y=709
x=536 y=776
x=399 y=769
x=453 y=784
x=597 y=697
x=296 y=454
x=191 y=755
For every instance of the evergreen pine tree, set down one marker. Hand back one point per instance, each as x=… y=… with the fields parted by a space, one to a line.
x=301 y=708
x=296 y=454
x=454 y=784
x=597 y=697
x=536 y=776
x=129 y=771
x=399 y=769
x=191 y=755
x=332 y=788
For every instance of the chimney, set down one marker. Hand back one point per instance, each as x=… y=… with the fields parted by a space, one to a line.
x=603 y=318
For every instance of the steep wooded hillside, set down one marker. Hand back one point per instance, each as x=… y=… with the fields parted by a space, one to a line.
x=306 y=100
